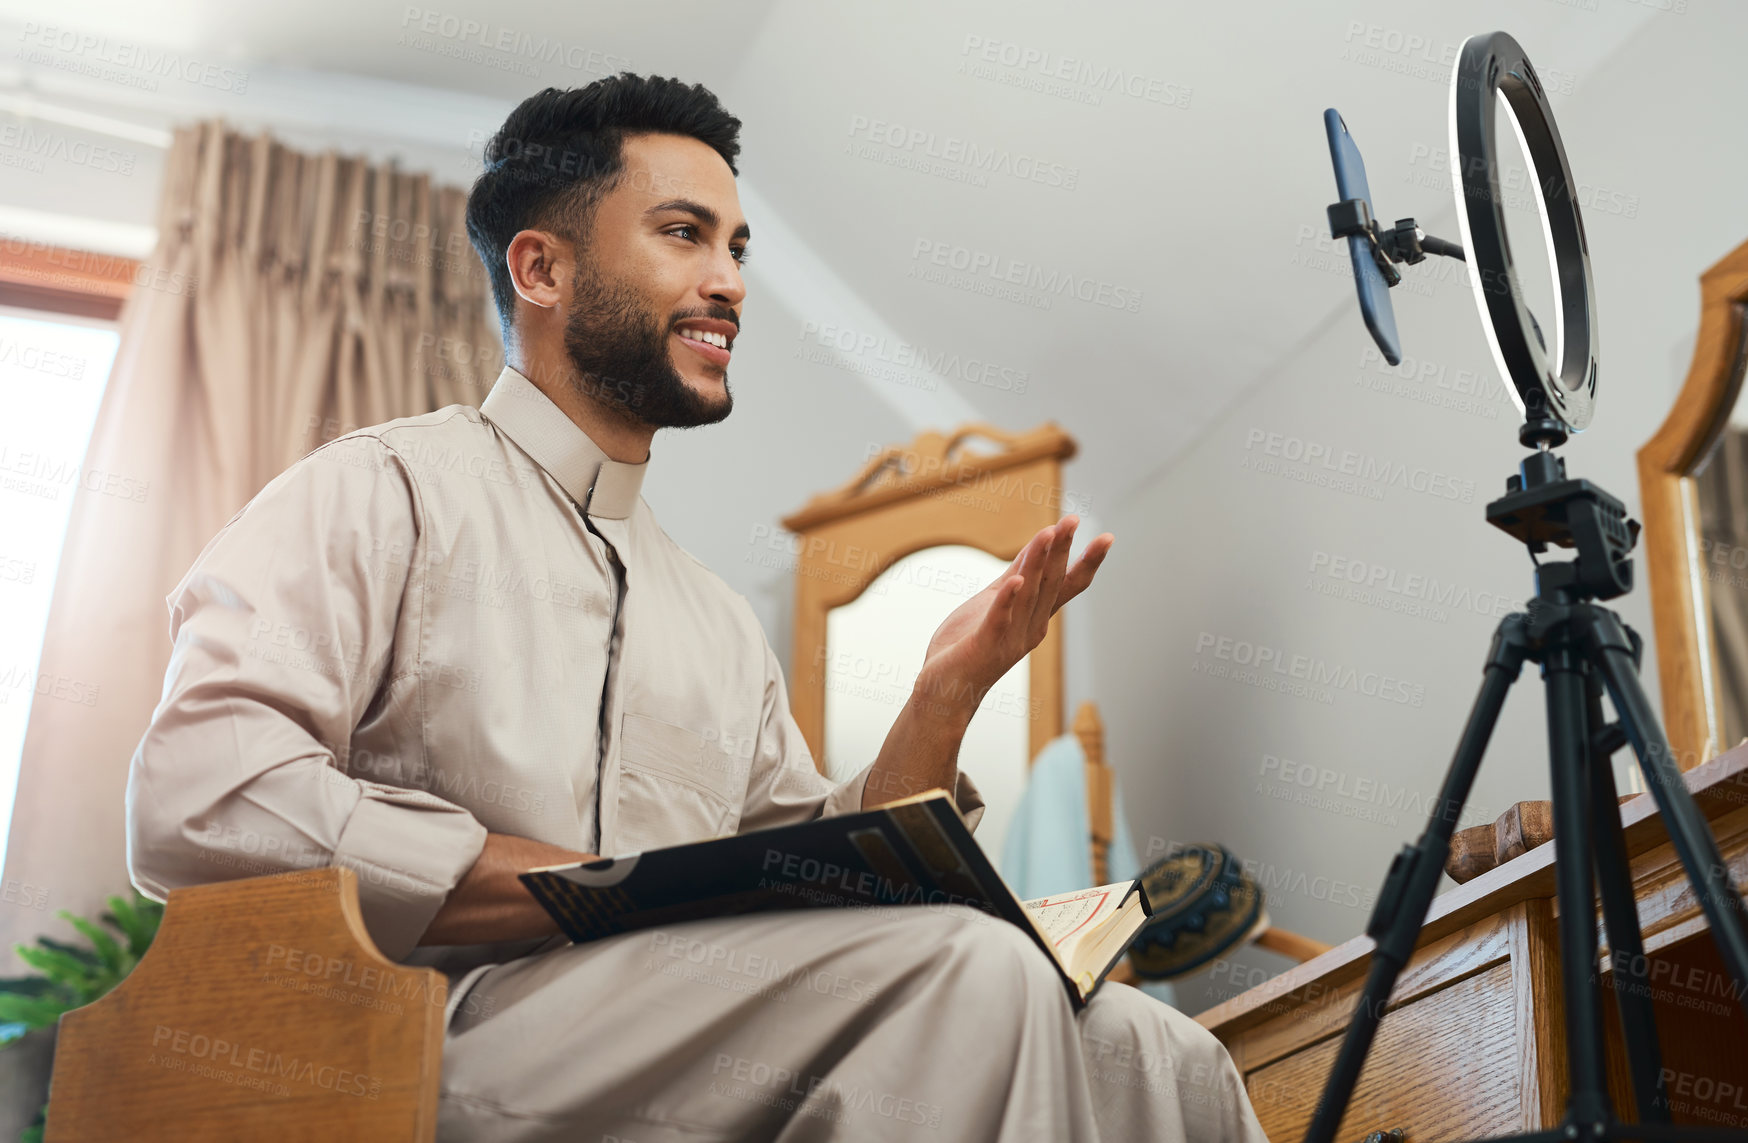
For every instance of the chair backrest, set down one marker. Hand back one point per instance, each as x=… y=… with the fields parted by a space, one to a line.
x=262 y=1011
x=1090 y=729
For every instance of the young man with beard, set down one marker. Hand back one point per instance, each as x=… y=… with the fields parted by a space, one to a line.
x=342 y=691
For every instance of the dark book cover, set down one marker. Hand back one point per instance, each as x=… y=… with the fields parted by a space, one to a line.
x=915 y=851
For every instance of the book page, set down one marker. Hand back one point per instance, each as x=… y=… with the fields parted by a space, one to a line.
x=1067 y=917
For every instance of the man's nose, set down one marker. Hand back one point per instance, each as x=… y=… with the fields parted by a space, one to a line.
x=723 y=284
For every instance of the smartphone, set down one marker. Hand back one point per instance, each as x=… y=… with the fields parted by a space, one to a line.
x=1350 y=182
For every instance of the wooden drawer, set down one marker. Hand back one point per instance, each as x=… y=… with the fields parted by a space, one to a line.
x=1443 y=1066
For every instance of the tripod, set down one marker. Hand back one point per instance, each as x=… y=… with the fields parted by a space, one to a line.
x=1584 y=650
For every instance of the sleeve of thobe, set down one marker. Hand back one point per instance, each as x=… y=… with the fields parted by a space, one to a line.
x=786 y=786
x=281 y=637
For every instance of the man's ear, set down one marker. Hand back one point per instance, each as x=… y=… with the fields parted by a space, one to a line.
x=538 y=261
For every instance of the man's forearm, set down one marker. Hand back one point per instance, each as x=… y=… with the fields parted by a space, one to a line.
x=489 y=904
x=922 y=749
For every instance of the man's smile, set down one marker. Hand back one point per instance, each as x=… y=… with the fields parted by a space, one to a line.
x=710 y=338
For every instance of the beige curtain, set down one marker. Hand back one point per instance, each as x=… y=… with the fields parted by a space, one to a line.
x=291 y=297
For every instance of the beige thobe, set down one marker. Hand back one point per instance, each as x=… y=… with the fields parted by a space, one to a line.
x=469 y=621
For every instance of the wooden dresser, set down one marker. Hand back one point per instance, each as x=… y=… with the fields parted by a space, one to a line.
x=1473 y=1042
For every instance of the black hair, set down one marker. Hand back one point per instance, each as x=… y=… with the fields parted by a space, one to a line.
x=559 y=152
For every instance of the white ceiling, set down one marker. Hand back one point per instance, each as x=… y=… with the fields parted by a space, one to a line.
x=1202 y=208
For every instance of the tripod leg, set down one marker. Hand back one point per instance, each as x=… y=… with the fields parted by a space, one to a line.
x=1686 y=826
x=1413 y=878
x=1626 y=946
x=1568 y=757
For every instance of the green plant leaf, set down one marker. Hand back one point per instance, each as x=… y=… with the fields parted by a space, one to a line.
x=68 y=972
x=26 y=985
x=69 y=976
x=137 y=920
x=84 y=956
x=107 y=948
x=32 y=1011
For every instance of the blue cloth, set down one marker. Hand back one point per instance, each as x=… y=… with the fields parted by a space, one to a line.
x=1048 y=848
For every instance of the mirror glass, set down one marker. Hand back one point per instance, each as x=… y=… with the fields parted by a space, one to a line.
x=1720 y=553
x=874 y=649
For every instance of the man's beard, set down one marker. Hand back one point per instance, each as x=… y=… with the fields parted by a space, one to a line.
x=620 y=351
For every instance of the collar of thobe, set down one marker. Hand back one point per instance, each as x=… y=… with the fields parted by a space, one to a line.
x=602 y=486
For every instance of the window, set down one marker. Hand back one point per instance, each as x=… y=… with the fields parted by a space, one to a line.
x=53 y=370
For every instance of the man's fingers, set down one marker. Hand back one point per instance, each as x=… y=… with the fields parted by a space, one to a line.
x=1037 y=555
x=1081 y=577
x=1024 y=561
x=1037 y=547
x=1054 y=570
x=1039 y=581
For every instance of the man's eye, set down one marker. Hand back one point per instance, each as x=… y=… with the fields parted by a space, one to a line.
x=690 y=234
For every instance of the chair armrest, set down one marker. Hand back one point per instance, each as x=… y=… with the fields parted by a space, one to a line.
x=262 y=1010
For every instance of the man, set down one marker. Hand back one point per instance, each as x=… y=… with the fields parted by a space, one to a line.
x=446 y=649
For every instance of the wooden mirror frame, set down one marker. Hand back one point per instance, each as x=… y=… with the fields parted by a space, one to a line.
x=928 y=493
x=1679 y=610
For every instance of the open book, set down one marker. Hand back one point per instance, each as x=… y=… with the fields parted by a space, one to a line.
x=915 y=851
x=1090 y=929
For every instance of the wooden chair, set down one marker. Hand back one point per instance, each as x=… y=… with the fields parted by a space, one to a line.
x=262 y=1011
x=1090 y=729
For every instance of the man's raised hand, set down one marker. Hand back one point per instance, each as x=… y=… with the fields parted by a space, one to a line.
x=996 y=628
